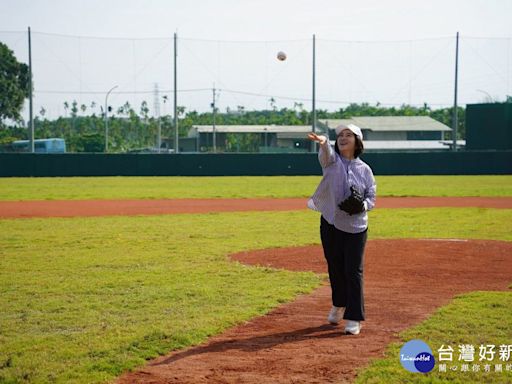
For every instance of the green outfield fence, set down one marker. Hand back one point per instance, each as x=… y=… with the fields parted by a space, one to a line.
x=389 y=163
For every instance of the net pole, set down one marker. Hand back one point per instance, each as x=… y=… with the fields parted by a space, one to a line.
x=455 y=117
x=31 y=103
x=313 y=108
x=176 y=146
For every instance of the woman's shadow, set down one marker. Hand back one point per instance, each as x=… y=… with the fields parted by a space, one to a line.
x=256 y=343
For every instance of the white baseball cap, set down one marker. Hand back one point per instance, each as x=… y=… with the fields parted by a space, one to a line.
x=354 y=128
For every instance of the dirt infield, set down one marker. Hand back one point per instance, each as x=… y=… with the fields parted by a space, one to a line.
x=405 y=281
x=71 y=208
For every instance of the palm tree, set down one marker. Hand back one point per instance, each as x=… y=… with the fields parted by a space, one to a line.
x=272 y=103
x=74 y=108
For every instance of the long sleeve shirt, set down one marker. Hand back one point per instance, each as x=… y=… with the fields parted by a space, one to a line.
x=339 y=174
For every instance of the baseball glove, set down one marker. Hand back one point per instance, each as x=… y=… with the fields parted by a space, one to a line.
x=354 y=204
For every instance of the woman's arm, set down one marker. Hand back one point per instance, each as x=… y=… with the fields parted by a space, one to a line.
x=326 y=155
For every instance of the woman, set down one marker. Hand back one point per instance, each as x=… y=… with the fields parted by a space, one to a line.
x=344 y=196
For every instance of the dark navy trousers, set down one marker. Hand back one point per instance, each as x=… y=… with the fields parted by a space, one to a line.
x=344 y=253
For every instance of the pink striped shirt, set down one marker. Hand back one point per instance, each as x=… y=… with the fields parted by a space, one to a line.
x=339 y=174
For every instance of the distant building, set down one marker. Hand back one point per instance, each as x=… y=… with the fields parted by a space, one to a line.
x=381 y=133
x=397 y=132
x=268 y=138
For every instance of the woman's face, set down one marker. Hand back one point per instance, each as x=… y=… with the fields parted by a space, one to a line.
x=346 y=141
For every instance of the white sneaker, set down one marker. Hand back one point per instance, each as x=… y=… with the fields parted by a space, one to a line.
x=335 y=315
x=353 y=327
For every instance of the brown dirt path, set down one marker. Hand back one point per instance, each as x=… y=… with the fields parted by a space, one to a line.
x=72 y=208
x=405 y=281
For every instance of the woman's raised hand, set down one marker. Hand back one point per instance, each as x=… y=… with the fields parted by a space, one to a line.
x=318 y=138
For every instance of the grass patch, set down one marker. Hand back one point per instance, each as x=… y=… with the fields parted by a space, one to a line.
x=463 y=223
x=84 y=299
x=477 y=318
x=84 y=188
x=453 y=185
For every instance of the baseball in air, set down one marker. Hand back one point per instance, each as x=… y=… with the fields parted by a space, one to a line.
x=281 y=56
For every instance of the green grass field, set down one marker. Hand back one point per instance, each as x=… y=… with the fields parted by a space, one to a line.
x=77 y=188
x=477 y=318
x=84 y=299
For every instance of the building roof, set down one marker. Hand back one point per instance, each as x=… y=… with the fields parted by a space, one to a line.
x=409 y=144
x=252 y=128
x=390 y=123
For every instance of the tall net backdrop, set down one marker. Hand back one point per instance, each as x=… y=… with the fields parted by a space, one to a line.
x=248 y=76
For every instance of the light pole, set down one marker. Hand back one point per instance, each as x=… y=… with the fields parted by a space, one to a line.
x=489 y=97
x=213 y=110
x=106 y=118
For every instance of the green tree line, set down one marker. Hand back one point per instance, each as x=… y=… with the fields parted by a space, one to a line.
x=131 y=129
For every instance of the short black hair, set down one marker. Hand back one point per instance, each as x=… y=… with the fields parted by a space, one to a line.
x=359 y=147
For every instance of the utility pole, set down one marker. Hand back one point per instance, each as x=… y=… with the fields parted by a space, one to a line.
x=213 y=107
